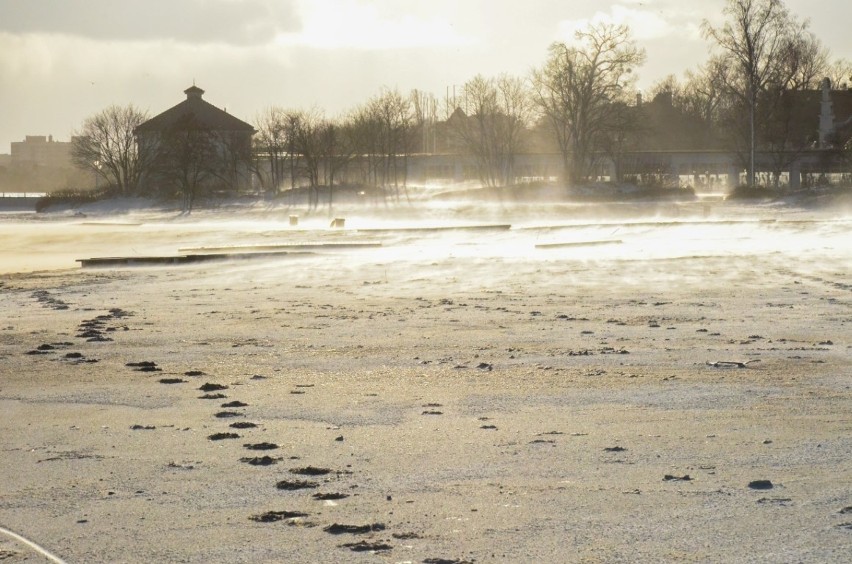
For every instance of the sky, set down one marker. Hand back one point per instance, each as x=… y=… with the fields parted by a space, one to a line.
x=64 y=60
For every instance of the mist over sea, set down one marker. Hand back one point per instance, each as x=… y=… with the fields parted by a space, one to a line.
x=501 y=233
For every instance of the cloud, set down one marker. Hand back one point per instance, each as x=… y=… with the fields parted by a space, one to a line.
x=240 y=22
x=353 y=24
x=47 y=57
x=644 y=23
x=66 y=59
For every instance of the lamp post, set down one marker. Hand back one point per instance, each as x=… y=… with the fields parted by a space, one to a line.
x=97 y=165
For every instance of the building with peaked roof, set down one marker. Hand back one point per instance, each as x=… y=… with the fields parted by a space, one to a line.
x=205 y=115
x=194 y=139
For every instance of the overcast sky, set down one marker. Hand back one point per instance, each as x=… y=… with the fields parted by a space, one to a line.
x=63 y=60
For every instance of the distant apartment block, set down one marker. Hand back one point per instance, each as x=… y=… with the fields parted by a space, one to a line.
x=43 y=151
x=40 y=163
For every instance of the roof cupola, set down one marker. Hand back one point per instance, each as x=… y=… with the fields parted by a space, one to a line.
x=193 y=92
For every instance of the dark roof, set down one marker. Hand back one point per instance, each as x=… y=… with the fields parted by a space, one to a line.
x=841 y=102
x=666 y=127
x=458 y=114
x=200 y=112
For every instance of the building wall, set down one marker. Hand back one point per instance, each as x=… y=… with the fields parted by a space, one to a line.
x=40 y=150
x=39 y=163
x=223 y=158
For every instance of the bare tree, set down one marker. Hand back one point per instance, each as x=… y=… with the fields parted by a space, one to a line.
x=705 y=93
x=577 y=88
x=473 y=124
x=293 y=122
x=425 y=111
x=621 y=133
x=804 y=61
x=314 y=149
x=187 y=158
x=840 y=72
x=755 y=36
x=669 y=85
x=395 y=119
x=106 y=145
x=366 y=139
x=271 y=145
x=497 y=112
x=701 y=102
x=233 y=168
x=383 y=134
x=279 y=144
x=337 y=150
x=801 y=65
x=307 y=143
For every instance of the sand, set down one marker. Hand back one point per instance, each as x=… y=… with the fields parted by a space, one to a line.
x=469 y=399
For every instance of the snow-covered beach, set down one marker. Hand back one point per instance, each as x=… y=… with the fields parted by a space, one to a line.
x=474 y=383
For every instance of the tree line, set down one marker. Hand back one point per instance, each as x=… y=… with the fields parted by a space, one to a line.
x=580 y=99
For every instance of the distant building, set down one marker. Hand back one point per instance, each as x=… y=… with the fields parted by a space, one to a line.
x=43 y=151
x=196 y=134
x=661 y=126
x=835 y=115
x=40 y=163
x=807 y=139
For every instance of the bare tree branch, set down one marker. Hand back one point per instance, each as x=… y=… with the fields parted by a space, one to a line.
x=106 y=145
x=577 y=88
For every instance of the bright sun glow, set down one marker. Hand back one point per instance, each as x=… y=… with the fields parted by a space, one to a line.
x=334 y=24
x=644 y=24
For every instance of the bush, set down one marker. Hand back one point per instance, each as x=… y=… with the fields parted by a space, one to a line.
x=743 y=192
x=71 y=197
